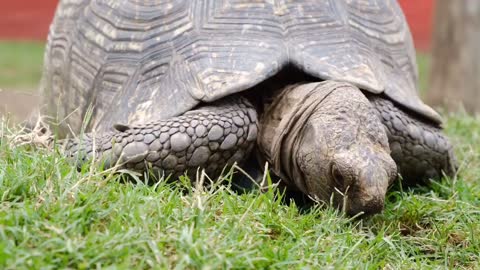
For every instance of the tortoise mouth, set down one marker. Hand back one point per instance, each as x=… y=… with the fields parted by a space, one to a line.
x=364 y=193
x=365 y=208
x=356 y=204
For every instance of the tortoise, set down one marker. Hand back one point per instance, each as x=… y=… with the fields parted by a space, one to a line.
x=325 y=91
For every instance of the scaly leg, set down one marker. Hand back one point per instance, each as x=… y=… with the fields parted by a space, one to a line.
x=210 y=137
x=419 y=148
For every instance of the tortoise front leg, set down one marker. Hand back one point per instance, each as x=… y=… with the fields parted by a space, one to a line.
x=419 y=148
x=210 y=137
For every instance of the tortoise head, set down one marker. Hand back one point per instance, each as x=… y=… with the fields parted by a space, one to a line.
x=344 y=154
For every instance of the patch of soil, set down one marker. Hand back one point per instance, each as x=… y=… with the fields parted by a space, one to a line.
x=18 y=104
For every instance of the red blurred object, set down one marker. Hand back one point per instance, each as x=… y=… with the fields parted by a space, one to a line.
x=29 y=19
x=419 y=15
x=26 y=19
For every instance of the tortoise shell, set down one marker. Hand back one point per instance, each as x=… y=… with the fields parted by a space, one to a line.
x=139 y=60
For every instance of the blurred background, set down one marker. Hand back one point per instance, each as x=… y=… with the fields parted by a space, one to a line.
x=434 y=24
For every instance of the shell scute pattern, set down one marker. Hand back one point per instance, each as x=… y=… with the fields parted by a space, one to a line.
x=138 y=61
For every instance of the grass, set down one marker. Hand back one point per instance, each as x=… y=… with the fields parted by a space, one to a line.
x=52 y=216
x=20 y=64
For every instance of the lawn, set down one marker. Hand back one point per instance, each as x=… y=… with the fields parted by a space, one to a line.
x=20 y=64
x=52 y=216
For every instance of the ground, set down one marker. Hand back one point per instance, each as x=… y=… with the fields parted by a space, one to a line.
x=52 y=216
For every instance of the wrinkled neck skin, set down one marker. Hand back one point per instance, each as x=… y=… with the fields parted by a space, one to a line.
x=344 y=154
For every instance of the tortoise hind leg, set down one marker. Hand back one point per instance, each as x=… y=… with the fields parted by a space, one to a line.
x=209 y=137
x=419 y=148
